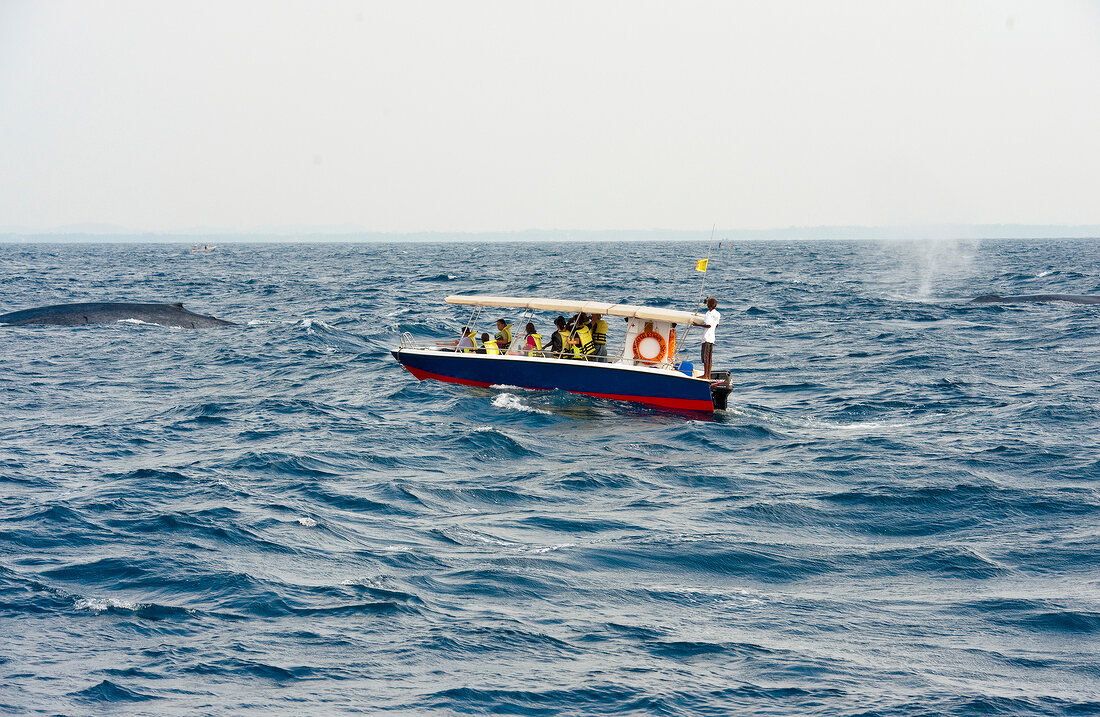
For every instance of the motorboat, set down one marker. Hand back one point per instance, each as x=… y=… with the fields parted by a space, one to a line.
x=646 y=368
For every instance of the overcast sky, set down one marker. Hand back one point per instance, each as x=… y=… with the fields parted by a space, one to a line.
x=495 y=116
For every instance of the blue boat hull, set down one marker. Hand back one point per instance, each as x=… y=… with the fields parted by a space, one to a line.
x=641 y=385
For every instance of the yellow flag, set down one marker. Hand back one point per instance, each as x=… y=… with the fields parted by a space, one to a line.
x=701 y=265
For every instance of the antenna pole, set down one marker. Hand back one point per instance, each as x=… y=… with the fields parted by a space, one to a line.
x=702 y=286
x=703 y=283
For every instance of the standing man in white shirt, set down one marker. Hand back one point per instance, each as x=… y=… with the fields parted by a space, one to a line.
x=711 y=319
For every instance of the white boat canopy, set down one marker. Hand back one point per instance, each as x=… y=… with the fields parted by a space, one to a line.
x=647 y=313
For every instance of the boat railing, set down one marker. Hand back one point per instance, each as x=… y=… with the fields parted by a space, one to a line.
x=408 y=342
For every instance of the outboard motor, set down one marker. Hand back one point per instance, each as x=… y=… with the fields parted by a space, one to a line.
x=721 y=386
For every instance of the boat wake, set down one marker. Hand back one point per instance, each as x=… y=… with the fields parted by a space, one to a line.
x=515 y=403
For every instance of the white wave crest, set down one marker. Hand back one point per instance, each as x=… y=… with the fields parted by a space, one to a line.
x=552 y=548
x=512 y=401
x=308 y=522
x=104 y=604
x=308 y=324
x=378 y=581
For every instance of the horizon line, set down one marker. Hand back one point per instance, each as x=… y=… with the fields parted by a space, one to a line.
x=338 y=233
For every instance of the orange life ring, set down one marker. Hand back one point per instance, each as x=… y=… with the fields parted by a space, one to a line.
x=638 y=347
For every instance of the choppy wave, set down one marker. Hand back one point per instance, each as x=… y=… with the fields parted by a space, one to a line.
x=895 y=517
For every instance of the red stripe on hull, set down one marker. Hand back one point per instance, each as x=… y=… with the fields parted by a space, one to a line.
x=683 y=404
x=423 y=375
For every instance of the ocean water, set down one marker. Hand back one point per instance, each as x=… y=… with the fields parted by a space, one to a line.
x=899 y=514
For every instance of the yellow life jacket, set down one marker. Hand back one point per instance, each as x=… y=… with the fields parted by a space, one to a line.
x=468 y=349
x=599 y=332
x=568 y=350
x=538 y=345
x=504 y=336
x=491 y=347
x=586 y=347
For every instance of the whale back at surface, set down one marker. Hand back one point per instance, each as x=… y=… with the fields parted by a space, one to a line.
x=107 y=312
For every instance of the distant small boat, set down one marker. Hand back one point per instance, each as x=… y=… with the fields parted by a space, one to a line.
x=646 y=370
x=204 y=248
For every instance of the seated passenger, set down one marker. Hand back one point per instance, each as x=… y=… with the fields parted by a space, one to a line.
x=489 y=346
x=467 y=344
x=533 y=345
x=599 y=338
x=582 y=337
x=504 y=335
x=559 y=340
